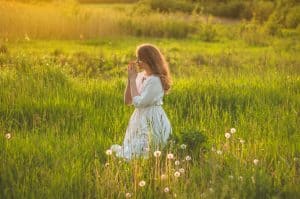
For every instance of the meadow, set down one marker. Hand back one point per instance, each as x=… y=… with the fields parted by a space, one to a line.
x=234 y=107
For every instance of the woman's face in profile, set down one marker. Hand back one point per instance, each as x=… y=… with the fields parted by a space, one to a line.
x=139 y=63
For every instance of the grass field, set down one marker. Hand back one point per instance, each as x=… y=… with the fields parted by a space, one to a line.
x=61 y=107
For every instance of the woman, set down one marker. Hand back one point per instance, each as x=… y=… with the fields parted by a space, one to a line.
x=149 y=126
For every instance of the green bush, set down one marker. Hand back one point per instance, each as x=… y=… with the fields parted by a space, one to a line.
x=3 y=49
x=170 y=5
x=262 y=10
x=232 y=9
x=252 y=33
x=293 y=17
x=208 y=32
x=273 y=25
x=156 y=26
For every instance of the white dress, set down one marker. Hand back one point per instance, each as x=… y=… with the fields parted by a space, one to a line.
x=149 y=126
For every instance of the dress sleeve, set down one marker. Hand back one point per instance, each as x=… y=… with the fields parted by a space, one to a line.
x=148 y=94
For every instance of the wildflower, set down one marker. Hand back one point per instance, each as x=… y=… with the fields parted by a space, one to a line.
x=227 y=135
x=181 y=170
x=188 y=158
x=157 y=153
x=183 y=146
x=8 y=136
x=108 y=152
x=255 y=161
x=163 y=177
x=170 y=156
x=142 y=183
x=27 y=37
x=242 y=141
x=177 y=174
x=166 y=190
x=232 y=130
x=106 y=164
x=128 y=195
x=219 y=152
x=177 y=162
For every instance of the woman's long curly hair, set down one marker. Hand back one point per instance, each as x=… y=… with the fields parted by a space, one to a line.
x=152 y=56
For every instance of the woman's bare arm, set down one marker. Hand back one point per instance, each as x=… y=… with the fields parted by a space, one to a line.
x=127 y=94
x=133 y=88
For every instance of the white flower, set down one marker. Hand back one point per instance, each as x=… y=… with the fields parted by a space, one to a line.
x=157 y=153
x=177 y=174
x=227 y=135
x=188 y=158
x=128 y=195
x=166 y=190
x=242 y=141
x=255 y=161
x=232 y=130
x=183 y=146
x=177 y=162
x=142 y=183
x=8 y=136
x=108 y=152
x=219 y=152
x=170 y=156
x=181 y=170
x=106 y=164
x=163 y=177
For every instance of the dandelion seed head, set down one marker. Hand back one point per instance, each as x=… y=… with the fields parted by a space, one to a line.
x=188 y=158
x=177 y=174
x=157 y=153
x=181 y=170
x=242 y=141
x=227 y=135
x=170 y=156
x=177 y=162
x=8 y=136
x=232 y=130
x=166 y=190
x=108 y=152
x=183 y=146
x=142 y=183
x=128 y=195
x=255 y=161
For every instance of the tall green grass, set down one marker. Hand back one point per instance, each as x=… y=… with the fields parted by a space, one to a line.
x=62 y=104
